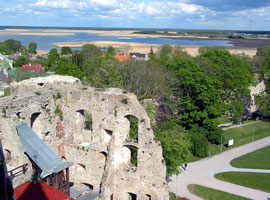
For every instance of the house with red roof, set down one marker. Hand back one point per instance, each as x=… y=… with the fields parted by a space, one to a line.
x=33 y=68
x=122 y=58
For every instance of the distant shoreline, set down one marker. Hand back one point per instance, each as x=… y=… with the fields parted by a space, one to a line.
x=145 y=48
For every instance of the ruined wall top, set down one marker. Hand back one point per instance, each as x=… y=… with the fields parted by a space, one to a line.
x=43 y=82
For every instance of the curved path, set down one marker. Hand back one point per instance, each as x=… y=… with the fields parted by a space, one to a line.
x=202 y=172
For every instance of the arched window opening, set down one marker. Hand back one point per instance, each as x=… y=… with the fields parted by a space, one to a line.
x=7 y=155
x=109 y=132
x=88 y=124
x=80 y=167
x=104 y=154
x=133 y=155
x=34 y=116
x=132 y=196
x=133 y=127
x=85 y=119
x=148 y=197
x=91 y=187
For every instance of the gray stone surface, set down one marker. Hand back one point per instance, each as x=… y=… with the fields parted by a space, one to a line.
x=57 y=108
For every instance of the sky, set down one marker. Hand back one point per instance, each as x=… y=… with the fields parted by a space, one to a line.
x=173 y=14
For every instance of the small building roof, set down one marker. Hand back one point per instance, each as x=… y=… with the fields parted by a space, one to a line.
x=122 y=58
x=35 y=68
x=40 y=152
x=40 y=191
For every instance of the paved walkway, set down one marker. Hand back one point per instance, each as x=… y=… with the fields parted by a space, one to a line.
x=202 y=173
x=234 y=126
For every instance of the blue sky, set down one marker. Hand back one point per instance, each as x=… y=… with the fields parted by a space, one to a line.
x=180 y=14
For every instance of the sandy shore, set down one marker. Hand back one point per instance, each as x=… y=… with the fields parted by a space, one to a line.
x=16 y=30
x=119 y=33
x=44 y=34
x=128 y=47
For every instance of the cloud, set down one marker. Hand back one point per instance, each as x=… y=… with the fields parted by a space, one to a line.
x=231 y=5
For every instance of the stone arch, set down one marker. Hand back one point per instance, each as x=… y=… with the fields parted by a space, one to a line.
x=38 y=124
x=107 y=135
x=132 y=196
x=84 y=120
x=7 y=155
x=80 y=167
x=33 y=118
x=91 y=187
x=148 y=197
x=133 y=127
x=105 y=154
x=131 y=155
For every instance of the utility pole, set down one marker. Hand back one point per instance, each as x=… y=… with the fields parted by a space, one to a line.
x=221 y=144
x=253 y=134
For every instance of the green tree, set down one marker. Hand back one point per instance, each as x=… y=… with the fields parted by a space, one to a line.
x=263 y=56
x=53 y=59
x=199 y=96
x=175 y=145
x=110 y=51
x=199 y=142
x=145 y=79
x=32 y=47
x=10 y=46
x=20 y=62
x=66 y=50
x=67 y=68
x=233 y=73
x=77 y=58
x=102 y=73
x=89 y=51
x=165 y=52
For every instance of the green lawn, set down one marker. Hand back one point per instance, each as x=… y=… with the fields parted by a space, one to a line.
x=259 y=181
x=259 y=159
x=243 y=135
x=212 y=194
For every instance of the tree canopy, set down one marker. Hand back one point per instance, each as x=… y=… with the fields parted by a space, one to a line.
x=32 y=47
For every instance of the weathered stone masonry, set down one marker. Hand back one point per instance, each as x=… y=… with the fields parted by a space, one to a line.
x=91 y=128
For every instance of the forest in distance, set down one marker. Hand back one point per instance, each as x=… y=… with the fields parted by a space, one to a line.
x=193 y=93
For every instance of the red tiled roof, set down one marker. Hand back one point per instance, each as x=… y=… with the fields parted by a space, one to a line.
x=35 y=68
x=39 y=191
x=122 y=58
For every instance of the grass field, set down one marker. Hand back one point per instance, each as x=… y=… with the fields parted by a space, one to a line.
x=259 y=181
x=259 y=159
x=212 y=194
x=241 y=135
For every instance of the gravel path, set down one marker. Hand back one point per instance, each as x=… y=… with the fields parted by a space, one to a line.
x=202 y=172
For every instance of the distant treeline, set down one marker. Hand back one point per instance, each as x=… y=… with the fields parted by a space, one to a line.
x=208 y=33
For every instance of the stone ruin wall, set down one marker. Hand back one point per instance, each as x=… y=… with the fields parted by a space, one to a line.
x=56 y=109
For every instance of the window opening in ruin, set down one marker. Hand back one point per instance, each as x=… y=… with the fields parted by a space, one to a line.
x=81 y=166
x=133 y=127
x=111 y=198
x=148 y=197
x=33 y=118
x=91 y=187
x=81 y=112
x=104 y=153
x=109 y=132
x=88 y=124
x=47 y=133
x=132 y=196
x=133 y=155
x=7 y=155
